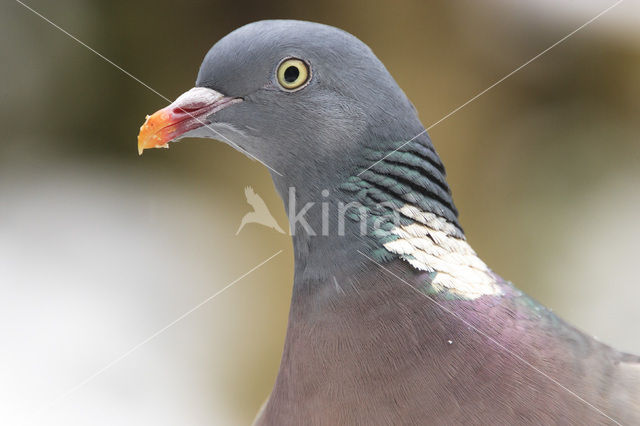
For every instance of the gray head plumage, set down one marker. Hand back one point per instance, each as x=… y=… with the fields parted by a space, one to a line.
x=350 y=96
x=349 y=114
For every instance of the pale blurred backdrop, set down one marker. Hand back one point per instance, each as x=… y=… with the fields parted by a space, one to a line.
x=100 y=248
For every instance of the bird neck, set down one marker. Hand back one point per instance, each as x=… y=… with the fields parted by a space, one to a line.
x=395 y=205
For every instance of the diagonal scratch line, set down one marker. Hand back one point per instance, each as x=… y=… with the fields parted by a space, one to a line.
x=563 y=39
x=468 y=324
x=94 y=51
x=142 y=83
x=148 y=339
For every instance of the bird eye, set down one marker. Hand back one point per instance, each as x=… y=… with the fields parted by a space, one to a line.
x=293 y=74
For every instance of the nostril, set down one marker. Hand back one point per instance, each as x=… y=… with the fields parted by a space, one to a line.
x=185 y=110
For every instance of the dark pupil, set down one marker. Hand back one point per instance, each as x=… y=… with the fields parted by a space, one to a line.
x=291 y=74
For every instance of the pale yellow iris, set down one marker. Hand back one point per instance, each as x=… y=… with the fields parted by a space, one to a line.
x=292 y=74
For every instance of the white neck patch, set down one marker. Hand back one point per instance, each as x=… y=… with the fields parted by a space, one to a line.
x=429 y=245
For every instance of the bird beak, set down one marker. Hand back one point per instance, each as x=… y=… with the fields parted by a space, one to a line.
x=190 y=111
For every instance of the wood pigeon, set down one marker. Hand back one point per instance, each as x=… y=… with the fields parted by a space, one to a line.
x=394 y=318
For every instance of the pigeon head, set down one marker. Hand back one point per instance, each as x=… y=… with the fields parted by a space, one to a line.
x=303 y=98
x=316 y=106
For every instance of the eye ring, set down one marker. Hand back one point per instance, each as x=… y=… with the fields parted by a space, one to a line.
x=293 y=74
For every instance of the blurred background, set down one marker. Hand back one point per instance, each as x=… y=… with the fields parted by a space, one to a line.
x=100 y=248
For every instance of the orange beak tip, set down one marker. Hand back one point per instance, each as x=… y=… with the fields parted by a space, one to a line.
x=145 y=134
